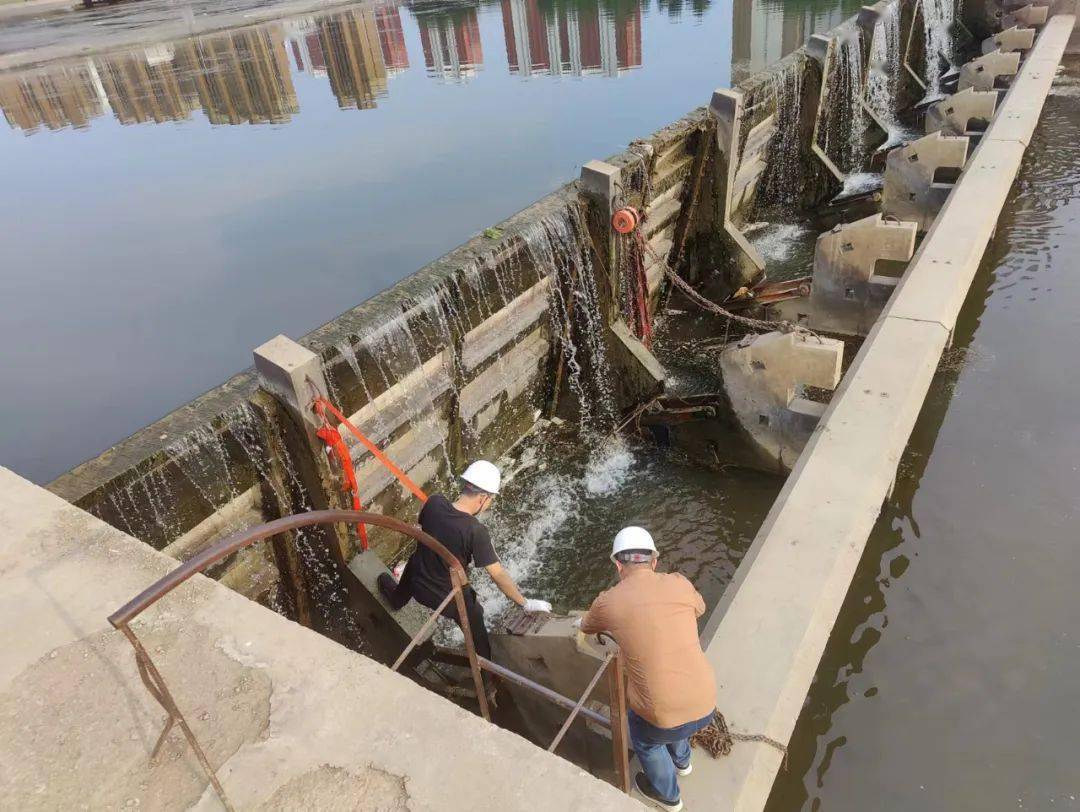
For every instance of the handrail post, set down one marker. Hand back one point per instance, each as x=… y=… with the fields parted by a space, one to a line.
x=619 y=733
x=457 y=576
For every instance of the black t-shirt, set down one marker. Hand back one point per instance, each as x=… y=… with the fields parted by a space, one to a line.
x=462 y=534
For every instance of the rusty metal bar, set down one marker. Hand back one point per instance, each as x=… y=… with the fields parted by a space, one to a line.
x=547 y=693
x=620 y=736
x=459 y=580
x=423 y=629
x=155 y=684
x=581 y=702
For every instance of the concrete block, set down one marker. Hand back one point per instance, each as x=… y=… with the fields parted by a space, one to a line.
x=641 y=375
x=291 y=373
x=937 y=281
x=725 y=106
x=765 y=377
x=556 y=655
x=910 y=192
x=847 y=295
x=982 y=72
x=410 y=618
x=1011 y=39
x=1029 y=15
x=600 y=181
x=955 y=114
x=817 y=48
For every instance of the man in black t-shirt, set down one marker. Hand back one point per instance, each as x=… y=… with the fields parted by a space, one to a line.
x=455 y=525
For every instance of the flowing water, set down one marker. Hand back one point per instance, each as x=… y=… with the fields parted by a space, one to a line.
x=555 y=520
x=845 y=132
x=938 y=18
x=950 y=681
x=883 y=77
x=783 y=178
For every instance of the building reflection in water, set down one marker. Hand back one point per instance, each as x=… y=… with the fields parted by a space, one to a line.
x=240 y=77
x=55 y=97
x=244 y=77
x=450 y=39
x=764 y=31
x=572 y=39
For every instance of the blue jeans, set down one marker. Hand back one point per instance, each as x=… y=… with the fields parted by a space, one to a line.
x=660 y=749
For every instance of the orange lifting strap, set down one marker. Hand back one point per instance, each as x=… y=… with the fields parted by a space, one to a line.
x=329 y=435
x=322 y=405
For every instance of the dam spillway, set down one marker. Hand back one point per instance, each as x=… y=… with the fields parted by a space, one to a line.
x=462 y=359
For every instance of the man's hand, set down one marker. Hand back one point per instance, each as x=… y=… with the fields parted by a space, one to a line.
x=536 y=605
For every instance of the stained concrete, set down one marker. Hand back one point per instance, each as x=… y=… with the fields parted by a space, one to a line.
x=959 y=113
x=766 y=637
x=765 y=377
x=910 y=191
x=983 y=72
x=289 y=718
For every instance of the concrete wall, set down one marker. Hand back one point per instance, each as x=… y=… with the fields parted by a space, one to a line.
x=455 y=362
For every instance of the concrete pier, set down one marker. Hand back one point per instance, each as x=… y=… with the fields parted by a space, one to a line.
x=766 y=637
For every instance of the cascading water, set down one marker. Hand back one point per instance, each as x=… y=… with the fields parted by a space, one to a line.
x=938 y=18
x=883 y=79
x=783 y=178
x=846 y=120
x=556 y=243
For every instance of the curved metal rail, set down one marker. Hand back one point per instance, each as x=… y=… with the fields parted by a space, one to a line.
x=155 y=683
x=151 y=676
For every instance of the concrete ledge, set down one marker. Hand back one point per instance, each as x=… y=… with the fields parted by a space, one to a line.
x=289 y=718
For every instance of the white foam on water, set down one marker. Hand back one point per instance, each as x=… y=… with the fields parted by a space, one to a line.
x=546 y=503
x=608 y=468
x=859 y=182
x=777 y=241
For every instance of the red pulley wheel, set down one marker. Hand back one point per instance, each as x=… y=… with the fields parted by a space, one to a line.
x=625 y=220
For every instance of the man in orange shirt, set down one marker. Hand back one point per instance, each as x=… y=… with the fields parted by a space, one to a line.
x=671 y=687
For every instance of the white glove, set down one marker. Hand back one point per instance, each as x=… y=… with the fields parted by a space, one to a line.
x=535 y=605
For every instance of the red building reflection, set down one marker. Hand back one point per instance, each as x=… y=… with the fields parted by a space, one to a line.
x=575 y=41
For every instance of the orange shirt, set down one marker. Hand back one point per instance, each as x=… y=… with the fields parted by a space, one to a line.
x=653 y=616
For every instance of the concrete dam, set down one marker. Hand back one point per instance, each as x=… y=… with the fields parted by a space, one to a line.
x=635 y=307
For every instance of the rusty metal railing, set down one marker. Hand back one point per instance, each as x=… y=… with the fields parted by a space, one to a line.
x=155 y=683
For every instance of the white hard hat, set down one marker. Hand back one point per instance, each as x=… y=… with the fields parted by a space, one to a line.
x=632 y=538
x=483 y=475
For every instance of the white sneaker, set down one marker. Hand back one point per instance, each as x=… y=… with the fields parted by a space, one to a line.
x=689 y=768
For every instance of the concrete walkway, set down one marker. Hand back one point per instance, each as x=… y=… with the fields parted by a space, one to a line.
x=291 y=719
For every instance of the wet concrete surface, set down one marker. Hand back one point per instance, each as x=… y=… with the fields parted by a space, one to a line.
x=950 y=678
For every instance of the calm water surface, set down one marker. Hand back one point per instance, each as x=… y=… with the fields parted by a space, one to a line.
x=168 y=208
x=951 y=679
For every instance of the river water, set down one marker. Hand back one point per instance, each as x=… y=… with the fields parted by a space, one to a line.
x=169 y=207
x=951 y=678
